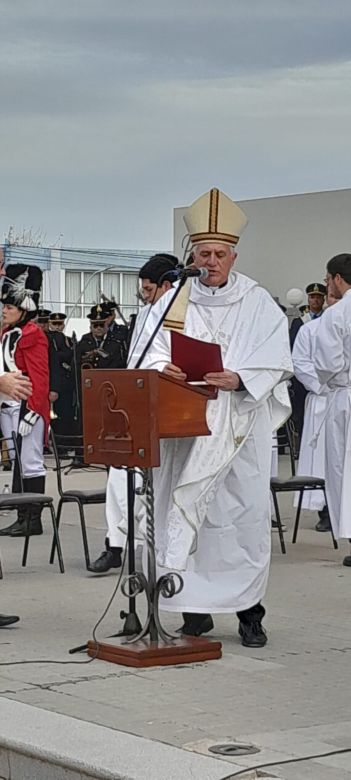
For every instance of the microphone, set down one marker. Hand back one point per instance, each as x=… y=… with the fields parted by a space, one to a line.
x=186 y=273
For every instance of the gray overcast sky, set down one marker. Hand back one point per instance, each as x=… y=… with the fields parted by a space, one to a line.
x=115 y=111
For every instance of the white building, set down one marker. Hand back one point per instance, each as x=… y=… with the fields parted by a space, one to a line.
x=73 y=279
x=289 y=238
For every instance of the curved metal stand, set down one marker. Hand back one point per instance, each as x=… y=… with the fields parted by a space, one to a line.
x=167 y=585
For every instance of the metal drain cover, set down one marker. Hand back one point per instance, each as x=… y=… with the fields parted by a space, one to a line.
x=234 y=749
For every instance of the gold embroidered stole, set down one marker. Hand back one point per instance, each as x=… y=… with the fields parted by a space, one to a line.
x=176 y=316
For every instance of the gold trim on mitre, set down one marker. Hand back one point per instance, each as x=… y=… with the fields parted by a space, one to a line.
x=215 y=217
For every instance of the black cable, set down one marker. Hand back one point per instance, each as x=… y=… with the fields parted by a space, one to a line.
x=297 y=760
x=97 y=645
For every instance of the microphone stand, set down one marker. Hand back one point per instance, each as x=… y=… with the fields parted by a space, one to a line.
x=75 y=368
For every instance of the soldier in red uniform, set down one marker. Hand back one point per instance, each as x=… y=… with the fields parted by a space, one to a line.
x=25 y=349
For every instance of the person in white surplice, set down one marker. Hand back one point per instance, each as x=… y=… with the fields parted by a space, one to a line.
x=312 y=447
x=333 y=366
x=154 y=282
x=212 y=493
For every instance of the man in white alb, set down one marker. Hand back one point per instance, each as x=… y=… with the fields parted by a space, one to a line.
x=333 y=366
x=312 y=447
x=212 y=496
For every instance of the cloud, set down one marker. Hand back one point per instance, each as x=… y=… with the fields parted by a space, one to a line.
x=115 y=112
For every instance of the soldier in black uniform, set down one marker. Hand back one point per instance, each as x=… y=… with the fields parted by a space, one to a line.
x=100 y=348
x=61 y=351
x=43 y=319
x=54 y=369
x=116 y=330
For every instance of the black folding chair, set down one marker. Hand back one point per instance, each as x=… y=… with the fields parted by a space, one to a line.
x=19 y=499
x=294 y=483
x=68 y=453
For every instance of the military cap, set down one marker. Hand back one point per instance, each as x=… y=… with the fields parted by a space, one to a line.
x=57 y=316
x=43 y=315
x=99 y=313
x=316 y=287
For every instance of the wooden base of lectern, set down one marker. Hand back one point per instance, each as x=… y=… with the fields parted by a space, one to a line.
x=186 y=650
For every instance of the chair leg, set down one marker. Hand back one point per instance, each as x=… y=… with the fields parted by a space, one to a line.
x=280 y=530
x=26 y=540
x=335 y=544
x=297 y=519
x=58 y=518
x=57 y=538
x=84 y=535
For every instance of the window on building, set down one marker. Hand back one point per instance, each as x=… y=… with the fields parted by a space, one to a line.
x=83 y=290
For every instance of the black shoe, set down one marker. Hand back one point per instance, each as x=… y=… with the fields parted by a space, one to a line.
x=109 y=559
x=347 y=560
x=195 y=624
x=275 y=526
x=7 y=531
x=323 y=524
x=7 y=466
x=7 y=620
x=34 y=528
x=252 y=634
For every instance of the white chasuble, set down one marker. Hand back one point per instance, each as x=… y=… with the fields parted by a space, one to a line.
x=333 y=367
x=312 y=448
x=212 y=508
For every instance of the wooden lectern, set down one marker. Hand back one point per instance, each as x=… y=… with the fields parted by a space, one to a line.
x=125 y=414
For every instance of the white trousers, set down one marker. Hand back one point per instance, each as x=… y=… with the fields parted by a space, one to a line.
x=32 y=452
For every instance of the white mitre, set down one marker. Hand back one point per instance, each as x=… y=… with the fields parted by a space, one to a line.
x=215 y=217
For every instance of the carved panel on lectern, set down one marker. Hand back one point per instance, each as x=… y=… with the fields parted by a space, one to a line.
x=120 y=420
x=114 y=434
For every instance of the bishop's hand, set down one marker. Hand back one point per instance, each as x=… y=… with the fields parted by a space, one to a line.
x=174 y=371
x=224 y=380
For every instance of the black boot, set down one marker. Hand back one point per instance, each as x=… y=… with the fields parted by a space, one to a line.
x=32 y=524
x=196 y=624
x=19 y=524
x=324 y=520
x=111 y=558
x=21 y=512
x=250 y=626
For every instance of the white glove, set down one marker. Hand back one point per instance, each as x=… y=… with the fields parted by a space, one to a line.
x=26 y=425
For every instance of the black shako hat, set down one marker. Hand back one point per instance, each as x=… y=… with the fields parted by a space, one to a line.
x=21 y=286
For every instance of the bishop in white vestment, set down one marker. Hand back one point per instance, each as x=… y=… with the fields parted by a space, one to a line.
x=212 y=493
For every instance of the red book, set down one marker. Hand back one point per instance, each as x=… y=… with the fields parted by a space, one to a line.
x=196 y=358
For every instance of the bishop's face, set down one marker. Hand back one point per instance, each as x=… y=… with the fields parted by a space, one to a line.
x=218 y=259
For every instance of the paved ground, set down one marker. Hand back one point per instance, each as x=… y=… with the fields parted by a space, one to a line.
x=291 y=698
